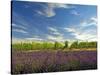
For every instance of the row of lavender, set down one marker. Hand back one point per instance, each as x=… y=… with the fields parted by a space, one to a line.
x=43 y=61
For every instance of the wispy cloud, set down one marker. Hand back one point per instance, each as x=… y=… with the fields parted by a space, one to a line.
x=74 y=12
x=70 y=29
x=19 y=19
x=34 y=39
x=59 y=5
x=54 y=31
x=81 y=34
x=18 y=26
x=85 y=36
x=55 y=34
x=55 y=38
x=20 y=31
x=94 y=19
x=91 y=22
x=19 y=40
x=49 y=11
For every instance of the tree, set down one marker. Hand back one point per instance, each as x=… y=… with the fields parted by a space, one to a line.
x=58 y=45
x=74 y=44
x=83 y=45
x=92 y=44
x=66 y=44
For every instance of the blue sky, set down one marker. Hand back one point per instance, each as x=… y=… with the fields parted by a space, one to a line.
x=41 y=21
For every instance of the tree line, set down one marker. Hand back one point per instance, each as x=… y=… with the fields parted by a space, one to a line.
x=54 y=46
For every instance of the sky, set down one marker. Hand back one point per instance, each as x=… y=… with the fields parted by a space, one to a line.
x=40 y=21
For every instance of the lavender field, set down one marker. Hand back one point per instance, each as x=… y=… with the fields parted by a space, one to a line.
x=47 y=61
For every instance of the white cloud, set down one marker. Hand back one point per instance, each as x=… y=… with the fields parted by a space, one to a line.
x=85 y=24
x=94 y=19
x=59 y=5
x=73 y=31
x=19 y=26
x=49 y=11
x=34 y=39
x=84 y=34
x=26 y=6
x=75 y=13
x=55 y=38
x=91 y=22
x=70 y=29
x=19 y=40
x=55 y=34
x=19 y=31
x=54 y=31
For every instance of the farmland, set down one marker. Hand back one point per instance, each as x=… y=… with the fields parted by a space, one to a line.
x=42 y=57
